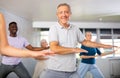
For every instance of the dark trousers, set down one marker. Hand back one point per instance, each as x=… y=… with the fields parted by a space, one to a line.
x=19 y=69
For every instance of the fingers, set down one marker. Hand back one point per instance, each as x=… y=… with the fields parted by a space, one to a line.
x=43 y=55
x=47 y=52
x=78 y=50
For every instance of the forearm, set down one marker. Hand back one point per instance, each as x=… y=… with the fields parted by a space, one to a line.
x=62 y=50
x=3 y=37
x=66 y=50
x=106 y=53
x=37 y=49
x=95 y=45
x=55 y=47
x=30 y=47
x=11 y=51
x=86 y=57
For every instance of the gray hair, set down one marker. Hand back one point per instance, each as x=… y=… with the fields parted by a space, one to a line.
x=64 y=4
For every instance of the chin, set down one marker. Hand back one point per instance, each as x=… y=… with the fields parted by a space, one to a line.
x=64 y=22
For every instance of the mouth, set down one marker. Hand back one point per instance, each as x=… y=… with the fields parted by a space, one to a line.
x=64 y=17
x=14 y=30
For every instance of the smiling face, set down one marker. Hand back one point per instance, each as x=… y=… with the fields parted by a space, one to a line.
x=13 y=29
x=63 y=13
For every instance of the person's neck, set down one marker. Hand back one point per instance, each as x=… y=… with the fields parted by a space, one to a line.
x=65 y=25
x=88 y=39
x=13 y=35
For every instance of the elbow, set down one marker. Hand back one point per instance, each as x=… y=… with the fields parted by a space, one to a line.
x=3 y=51
x=54 y=49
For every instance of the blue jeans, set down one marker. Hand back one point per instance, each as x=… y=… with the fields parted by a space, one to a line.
x=19 y=69
x=58 y=74
x=92 y=68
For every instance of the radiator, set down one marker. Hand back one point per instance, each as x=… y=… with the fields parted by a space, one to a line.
x=114 y=68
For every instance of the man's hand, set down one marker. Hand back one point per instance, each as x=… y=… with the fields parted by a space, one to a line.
x=42 y=53
x=78 y=50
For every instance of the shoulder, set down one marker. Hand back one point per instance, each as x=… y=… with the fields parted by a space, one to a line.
x=74 y=26
x=85 y=47
x=54 y=25
x=21 y=38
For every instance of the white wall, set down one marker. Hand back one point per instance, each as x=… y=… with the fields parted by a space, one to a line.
x=26 y=30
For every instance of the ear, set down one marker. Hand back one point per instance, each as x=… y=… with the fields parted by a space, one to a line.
x=56 y=13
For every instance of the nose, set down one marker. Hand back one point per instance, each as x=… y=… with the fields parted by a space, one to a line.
x=14 y=27
x=63 y=13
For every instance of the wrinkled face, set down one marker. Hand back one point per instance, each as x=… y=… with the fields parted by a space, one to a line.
x=63 y=14
x=13 y=28
x=88 y=35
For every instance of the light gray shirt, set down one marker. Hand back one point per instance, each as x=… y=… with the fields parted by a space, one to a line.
x=66 y=38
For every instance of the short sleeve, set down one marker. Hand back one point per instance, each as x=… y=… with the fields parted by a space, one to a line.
x=26 y=43
x=80 y=35
x=53 y=36
x=98 y=51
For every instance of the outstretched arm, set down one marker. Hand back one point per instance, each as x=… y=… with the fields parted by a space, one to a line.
x=107 y=53
x=55 y=47
x=86 y=57
x=30 y=47
x=95 y=44
x=5 y=49
x=103 y=54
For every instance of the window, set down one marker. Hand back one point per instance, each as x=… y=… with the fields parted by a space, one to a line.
x=116 y=31
x=105 y=31
x=44 y=33
x=116 y=40
x=81 y=30
x=91 y=30
x=106 y=38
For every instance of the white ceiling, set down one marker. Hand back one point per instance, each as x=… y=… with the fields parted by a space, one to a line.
x=82 y=10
